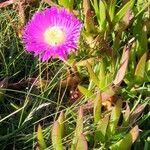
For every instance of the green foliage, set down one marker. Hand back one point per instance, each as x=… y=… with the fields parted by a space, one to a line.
x=66 y=3
x=40 y=138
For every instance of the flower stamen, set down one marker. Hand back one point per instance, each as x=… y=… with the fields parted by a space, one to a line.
x=54 y=36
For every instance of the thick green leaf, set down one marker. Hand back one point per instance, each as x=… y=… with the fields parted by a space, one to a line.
x=101 y=129
x=56 y=136
x=85 y=91
x=115 y=115
x=126 y=116
x=93 y=76
x=121 y=13
x=112 y=9
x=82 y=143
x=40 y=138
x=97 y=108
x=61 y=120
x=102 y=13
x=79 y=128
x=66 y=3
x=102 y=75
x=140 y=68
x=88 y=19
x=127 y=141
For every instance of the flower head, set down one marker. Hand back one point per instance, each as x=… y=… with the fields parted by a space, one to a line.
x=53 y=32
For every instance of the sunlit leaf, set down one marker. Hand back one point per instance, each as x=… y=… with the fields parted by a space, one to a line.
x=93 y=76
x=102 y=75
x=121 y=13
x=82 y=143
x=40 y=138
x=61 y=120
x=127 y=141
x=88 y=20
x=85 y=91
x=140 y=68
x=56 y=136
x=123 y=66
x=66 y=3
x=101 y=129
x=126 y=116
x=84 y=62
x=102 y=14
x=97 y=108
x=112 y=9
x=79 y=128
x=115 y=115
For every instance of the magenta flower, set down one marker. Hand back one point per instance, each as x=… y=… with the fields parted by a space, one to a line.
x=53 y=33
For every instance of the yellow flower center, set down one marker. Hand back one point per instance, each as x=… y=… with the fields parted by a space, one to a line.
x=54 y=36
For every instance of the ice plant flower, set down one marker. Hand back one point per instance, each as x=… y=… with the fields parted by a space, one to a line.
x=53 y=32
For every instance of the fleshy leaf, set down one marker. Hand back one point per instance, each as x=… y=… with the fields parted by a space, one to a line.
x=127 y=141
x=61 y=120
x=85 y=91
x=140 y=68
x=79 y=128
x=93 y=76
x=121 y=13
x=123 y=67
x=40 y=138
x=97 y=108
x=88 y=20
x=101 y=129
x=112 y=9
x=56 y=136
x=115 y=115
x=66 y=3
x=82 y=143
x=102 y=14
x=102 y=75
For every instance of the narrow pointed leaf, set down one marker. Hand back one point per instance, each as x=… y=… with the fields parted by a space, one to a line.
x=140 y=68
x=123 y=66
x=121 y=13
x=82 y=143
x=126 y=116
x=88 y=20
x=85 y=91
x=61 y=120
x=127 y=141
x=40 y=138
x=102 y=128
x=102 y=12
x=102 y=75
x=112 y=9
x=97 y=108
x=56 y=136
x=66 y=3
x=115 y=115
x=93 y=76
x=79 y=128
